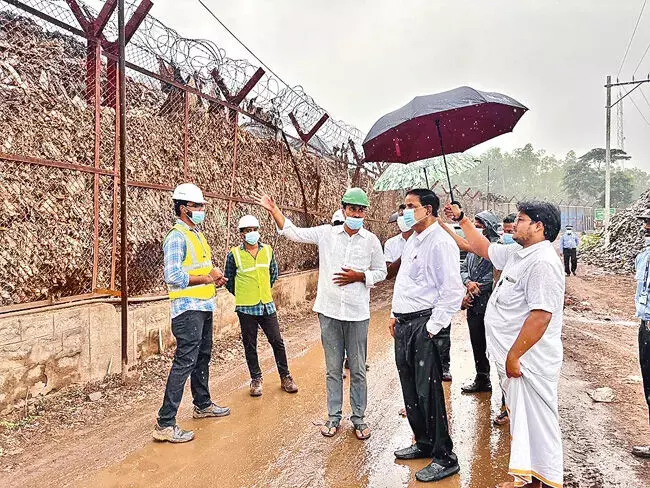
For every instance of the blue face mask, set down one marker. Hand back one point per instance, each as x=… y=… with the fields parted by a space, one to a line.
x=354 y=223
x=409 y=217
x=252 y=237
x=197 y=217
x=507 y=239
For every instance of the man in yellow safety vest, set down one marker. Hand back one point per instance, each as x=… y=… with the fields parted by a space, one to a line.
x=251 y=271
x=191 y=280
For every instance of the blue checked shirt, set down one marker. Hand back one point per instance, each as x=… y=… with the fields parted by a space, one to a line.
x=174 y=249
x=230 y=271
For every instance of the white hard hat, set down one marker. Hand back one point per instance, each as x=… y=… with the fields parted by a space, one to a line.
x=338 y=216
x=188 y=192
x=248 y=221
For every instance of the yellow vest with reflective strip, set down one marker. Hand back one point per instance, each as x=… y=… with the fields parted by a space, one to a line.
x=253 y=279
x=197 y=262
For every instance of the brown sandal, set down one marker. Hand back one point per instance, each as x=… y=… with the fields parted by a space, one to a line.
x=362 y=431
x=329 y=429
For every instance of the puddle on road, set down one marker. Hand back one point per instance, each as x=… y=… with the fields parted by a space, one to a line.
x=272 y=441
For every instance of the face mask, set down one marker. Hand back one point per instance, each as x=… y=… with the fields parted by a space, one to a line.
x=252 y=237
x=569 y=232
x=402 y=224
x=507 y=239
x=354 y=223
x=197 y=216
x=409 y=217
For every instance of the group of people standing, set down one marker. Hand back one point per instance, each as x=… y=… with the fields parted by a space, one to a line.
x=512 y=287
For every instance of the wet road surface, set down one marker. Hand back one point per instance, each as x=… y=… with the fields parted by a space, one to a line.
x=274 y=440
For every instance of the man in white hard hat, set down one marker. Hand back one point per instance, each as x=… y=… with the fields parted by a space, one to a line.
x=251 y=271
x=191 y=280
x=351 y=262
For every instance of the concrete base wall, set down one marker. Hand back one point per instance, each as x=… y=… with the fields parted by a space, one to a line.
x=45 y=350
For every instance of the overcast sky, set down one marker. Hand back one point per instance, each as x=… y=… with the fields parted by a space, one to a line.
x=362 y=58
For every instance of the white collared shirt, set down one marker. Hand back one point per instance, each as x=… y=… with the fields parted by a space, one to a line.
x=337 y=250
x=532 y=279
x=393 y=248
x=429 y=277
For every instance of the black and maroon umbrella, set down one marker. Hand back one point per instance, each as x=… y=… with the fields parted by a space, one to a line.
x=440 y=124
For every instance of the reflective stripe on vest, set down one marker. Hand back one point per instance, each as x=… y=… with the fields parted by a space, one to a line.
x=253 y=278
x=197 y=262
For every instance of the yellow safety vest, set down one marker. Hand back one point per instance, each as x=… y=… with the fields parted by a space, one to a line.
x=197 y=262
x=253 y=279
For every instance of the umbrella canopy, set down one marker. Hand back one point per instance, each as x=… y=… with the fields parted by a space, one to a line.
x=406 y=176
x=467 y=117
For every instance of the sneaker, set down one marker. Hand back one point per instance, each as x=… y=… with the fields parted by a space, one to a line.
x=256 y=387
x=289 y=385
x=213 y=410
x=172 y=434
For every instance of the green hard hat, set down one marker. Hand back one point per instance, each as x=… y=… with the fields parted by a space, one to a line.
x=356 y=196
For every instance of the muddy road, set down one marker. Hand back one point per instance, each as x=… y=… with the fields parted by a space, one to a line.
x=274 y=440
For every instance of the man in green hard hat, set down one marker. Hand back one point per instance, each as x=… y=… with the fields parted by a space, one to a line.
x=351 y=262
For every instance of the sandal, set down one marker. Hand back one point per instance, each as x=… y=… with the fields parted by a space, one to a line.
x=362 y=431
x=329 y=428
x=502 y=418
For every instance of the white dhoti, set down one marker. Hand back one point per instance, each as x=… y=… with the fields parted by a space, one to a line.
x=536 y=441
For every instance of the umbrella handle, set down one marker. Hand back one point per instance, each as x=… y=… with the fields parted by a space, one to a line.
x=444 y=158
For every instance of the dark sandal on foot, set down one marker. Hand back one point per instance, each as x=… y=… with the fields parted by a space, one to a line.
x=359 y=430
x=329 y=429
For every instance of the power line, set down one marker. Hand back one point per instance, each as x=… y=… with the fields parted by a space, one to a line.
x=641 y=61
x=263 y=63
x=629 y=44
x=644 y=97
x=639 y=110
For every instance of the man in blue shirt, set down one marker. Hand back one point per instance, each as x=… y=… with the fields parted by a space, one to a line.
x=642 y=265
x=192 y=281
x=569 y=243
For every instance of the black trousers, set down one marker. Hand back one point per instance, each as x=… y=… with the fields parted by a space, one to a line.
x=644 y=358
x=476 y=324
x=570 y=255
x=193 y=333
x=443 y=341
x=420 y=373
x=271 y=328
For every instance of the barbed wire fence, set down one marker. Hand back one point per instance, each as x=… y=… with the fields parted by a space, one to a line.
x=193 y=114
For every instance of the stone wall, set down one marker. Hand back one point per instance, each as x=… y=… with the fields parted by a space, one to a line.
x=45 y=350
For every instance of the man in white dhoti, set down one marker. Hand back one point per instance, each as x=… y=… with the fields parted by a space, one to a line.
x=523 y=323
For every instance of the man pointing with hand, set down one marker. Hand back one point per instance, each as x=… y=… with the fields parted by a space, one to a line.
x=351 y=261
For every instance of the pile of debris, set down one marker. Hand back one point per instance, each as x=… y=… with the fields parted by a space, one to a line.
x=625 y=240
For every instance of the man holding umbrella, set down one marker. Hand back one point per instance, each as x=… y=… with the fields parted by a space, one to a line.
x=428 y=292
x=523 y=324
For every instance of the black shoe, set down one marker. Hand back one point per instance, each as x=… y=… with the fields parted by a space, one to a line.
x=479 y=385
x=412 y=452
x=568 y=274
x=574 y=273
x=435 y=472
x=446 y=375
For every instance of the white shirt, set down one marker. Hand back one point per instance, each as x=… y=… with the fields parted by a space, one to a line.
x=532 y=279
x=336 y=250
x=429 y=277
x=393 y=248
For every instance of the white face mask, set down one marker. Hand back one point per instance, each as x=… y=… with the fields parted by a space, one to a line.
x=402 y=224
x=569 y=232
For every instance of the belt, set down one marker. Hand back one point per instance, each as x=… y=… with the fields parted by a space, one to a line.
x=407 y=317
